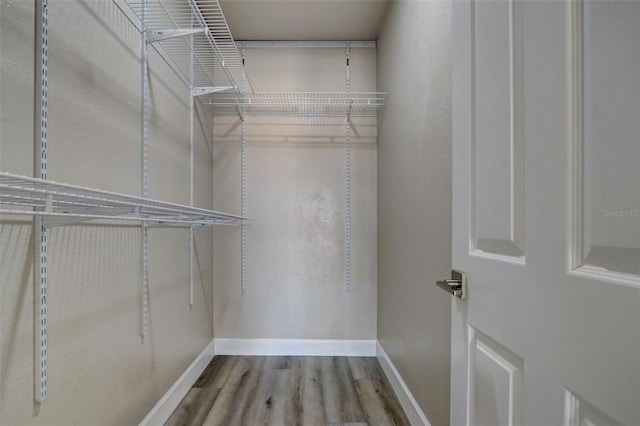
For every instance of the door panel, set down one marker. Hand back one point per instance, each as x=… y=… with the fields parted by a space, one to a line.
x=608 y=148
x=497 y=115
x=496 y=382
x=578 y=412
x=546 y=109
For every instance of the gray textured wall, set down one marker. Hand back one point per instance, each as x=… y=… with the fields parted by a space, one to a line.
x=296 y=197
x=414 y=198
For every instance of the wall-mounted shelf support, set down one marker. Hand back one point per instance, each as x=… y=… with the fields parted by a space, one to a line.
x=191 y=171
x=194 y=38
x=348 y=176
x=154 y=36
x=40 y=264
x=201 y=91
x=243 y=193
x=144 y=87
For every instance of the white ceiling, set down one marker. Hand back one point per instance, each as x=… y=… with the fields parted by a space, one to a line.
x=304 y=19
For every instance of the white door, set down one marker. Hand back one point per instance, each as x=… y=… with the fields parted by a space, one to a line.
x=546 y=212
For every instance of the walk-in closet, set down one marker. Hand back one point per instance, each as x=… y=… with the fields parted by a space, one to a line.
x=239 y=212
x=184 y=179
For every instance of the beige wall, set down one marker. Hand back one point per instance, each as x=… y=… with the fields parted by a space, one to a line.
x=100 y=372
x=414 y=199
x=296 y=199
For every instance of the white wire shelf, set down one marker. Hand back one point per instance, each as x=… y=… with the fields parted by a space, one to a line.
x=64 y=204
x=311 y=104
x=196 y=38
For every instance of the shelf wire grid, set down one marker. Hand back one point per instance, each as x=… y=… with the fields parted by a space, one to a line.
x=63 y=203
x=311 y=104
x=216 y=61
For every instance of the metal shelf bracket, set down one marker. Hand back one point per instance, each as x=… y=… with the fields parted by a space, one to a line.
x=200 y=91
x=154 y=36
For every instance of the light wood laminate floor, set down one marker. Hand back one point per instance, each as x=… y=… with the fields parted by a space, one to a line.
x=290 y=390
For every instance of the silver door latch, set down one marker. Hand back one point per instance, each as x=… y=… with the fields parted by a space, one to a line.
x=457 y=285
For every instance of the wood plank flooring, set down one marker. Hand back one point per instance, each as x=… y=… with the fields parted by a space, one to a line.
x=290 y=390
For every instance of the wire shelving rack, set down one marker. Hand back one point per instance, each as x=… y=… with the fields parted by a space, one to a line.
x=310 y=104
x=195 y=37
x=64 y=204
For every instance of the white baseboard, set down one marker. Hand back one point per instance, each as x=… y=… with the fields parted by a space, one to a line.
x=170 y=400
x=295 y=347
x=409 y=404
